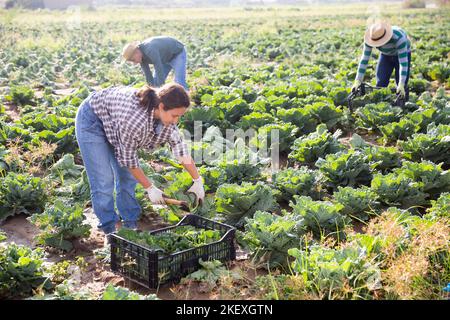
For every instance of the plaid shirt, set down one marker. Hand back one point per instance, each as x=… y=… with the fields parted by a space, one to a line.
x=129 y=127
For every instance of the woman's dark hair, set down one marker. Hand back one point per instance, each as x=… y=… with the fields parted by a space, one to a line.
x=172 y=95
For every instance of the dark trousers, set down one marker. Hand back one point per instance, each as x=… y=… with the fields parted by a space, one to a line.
x=386 y=64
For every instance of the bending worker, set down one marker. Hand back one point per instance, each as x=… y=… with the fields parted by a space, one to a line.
x=111 y=125
x=164 y=53
x=395 y=53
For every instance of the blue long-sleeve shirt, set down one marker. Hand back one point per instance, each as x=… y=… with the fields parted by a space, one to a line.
x=158 y=51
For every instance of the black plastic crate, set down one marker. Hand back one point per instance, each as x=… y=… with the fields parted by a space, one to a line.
x=150 y=268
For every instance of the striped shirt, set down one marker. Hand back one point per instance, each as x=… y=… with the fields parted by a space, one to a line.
x=129 y=127
x=399 y=45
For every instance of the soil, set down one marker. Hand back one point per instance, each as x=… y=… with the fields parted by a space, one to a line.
x=368 y=137
x=358 y=226
x=12 y=111
x=19 y=230
x=94 y=277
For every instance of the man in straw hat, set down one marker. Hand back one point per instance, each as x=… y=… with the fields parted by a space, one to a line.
x=395 y=49
x=165 y=53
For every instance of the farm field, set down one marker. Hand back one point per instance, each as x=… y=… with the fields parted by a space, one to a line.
x=358 y=206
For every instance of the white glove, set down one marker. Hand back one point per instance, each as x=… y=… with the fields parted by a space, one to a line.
x=356 y=84
x=198 y=189
x=155 y=195
x=401 y=90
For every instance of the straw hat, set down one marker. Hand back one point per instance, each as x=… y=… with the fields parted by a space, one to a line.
x=129 y=50
x=378 y=34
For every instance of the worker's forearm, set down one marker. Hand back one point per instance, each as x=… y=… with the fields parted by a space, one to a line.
x=188 y=164
x=147 y=73
x=364 y=60
x=140 y=176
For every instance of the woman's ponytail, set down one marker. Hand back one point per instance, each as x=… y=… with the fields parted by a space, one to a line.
x=171 y=95
x=148 y=97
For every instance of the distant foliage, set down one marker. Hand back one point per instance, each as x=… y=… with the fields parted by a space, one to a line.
x=413 y=4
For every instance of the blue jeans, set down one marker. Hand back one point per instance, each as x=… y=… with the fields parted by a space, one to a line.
x=386 y=64
x=178 y=64
x=104 y=173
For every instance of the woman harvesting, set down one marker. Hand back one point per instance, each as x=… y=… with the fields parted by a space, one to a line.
x=111 y=125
